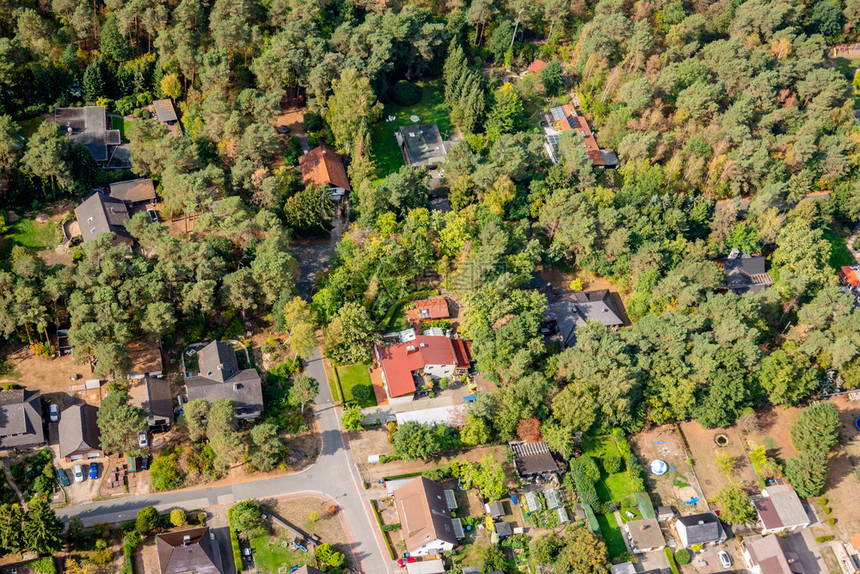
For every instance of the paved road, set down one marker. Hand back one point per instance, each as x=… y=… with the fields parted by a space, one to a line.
x=334 y=474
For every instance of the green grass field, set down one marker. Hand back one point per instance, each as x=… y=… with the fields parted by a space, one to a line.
x=119 y=124
x=612 y=535
x=839 y=254
x=431 y=109
x=847 y=67
x=614 y=487
x=353 y=376
x=595 y=446
x=271 y=557
x=27 y=233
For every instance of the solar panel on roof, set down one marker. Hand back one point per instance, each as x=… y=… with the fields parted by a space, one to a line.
x=458 y=528
x=557 y=113
x=450 y=499
x=553 y=140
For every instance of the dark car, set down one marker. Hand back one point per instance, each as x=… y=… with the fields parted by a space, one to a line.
x=62 y=477
x=94 y=470
x=144 y=462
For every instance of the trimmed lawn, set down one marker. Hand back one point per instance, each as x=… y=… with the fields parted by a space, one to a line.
x=398 y=322
x=625 y=519
x=839 y=254
x=616 y=486
x=119 y=124
x=28 y=233
x=431 y=109
x=352 y=376
x=612 y=535
x=595 y=446
x=272 y=553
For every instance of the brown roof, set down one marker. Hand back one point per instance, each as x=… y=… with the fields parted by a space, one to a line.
x=436 y=308
x=145 y=357
x=537 y=66
x=133 y=190
x=322 y=166
x=79 y=430
x=164 y=110
x=771 y=554
x=188 y=551
x=645 y=534
x=424 y=514
x=153 y=396
x=532 y=458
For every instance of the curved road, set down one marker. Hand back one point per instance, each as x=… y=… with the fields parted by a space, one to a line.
x=334 y=475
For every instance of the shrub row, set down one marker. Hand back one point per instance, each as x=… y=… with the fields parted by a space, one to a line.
x=382 y=528
x=671 y=558
x=237 y=551
x=390 y=527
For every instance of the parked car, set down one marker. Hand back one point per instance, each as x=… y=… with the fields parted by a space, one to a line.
x=79 y=473
x=54 y=411
x=94 y=470
x=153 y=215
x=406 y=560
x=725 y=559
x=144 y=463
x=62 y=477
x=143 y=440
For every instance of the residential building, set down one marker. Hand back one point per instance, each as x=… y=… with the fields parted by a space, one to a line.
x=134 y=192
x=219 y=377
x=503 y=530
x=102 y=214
x=426 y=566
x=745 y=273
x=146 y=360
x=323 y=166
x=165 y=111
x=704 y=528
x=154 y=397
x=422 y=145
x=770 y=555
x=536 y=66
x=572 y=310
x=623 y=568
x=850 y=275
x=79 y=433
x=644 y=535
x=403 y=364
x=424 y=517
x=193 y=551
x=665 y=513
x=452 y=416
x=428 y=310
x=495 y=509
x=533 y=459
x=87 y=126
x=565 y=118
x=780 y=509
x=21 y=423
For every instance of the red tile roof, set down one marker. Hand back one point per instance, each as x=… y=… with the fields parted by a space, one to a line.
x=851 y=274
x=322 y=166
x=436 y=308
x=537 y=66
x=400 y=360
x=573 y=121
x=461 y=351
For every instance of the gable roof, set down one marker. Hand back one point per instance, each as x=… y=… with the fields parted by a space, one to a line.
x=645 y=533
x=21 y=418
x=781 y=508
x=101 y=214
x=153 y=396
x=164 y=110
x=400 y=360
x=772 y=555
x=244 y=387
x=422 y=145
x=423 y=513
x=435 y=308
x=79 y=430
x=572 y=310
x=322 y=166
x=188 y=551
x=133 y=190
x=537 y=66
x=702 y=528
x=746 y=273
x=532 y=458
x=851 y=274
x=218 y=361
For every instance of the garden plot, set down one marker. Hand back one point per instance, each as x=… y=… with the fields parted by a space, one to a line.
x=664 y=443
x=706 y=447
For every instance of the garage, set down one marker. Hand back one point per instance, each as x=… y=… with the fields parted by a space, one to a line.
x=94 y=454
x=75 y=457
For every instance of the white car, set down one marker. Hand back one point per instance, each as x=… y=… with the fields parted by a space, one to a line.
x=79 y=473
x=54 y=411
x=153 y=215
x=725 y=559
x=142 y=440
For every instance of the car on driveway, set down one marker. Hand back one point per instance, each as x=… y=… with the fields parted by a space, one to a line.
x=153 y=215
x=79 y=473
x=725 y=559
x=94 y=470
x=143 y=440
x=406 y=560
x=54 y=410
x=62 y=477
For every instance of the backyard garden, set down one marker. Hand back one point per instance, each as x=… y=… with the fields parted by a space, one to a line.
x=356 y=385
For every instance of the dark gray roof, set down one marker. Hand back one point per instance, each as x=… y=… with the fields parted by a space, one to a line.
x=154 y=397
x=572 y=310
x=746 y=273
x=497 y=508
x=423 y=145
x=702 y=528
x=218 y=361
x=133 y=190
x=244 y=387
x=21 y=419
x=101 y=214
x=532 y=458
x=503 y=529
x=164 y=110
x=79 y=430
x=88 y=127
x=188 y=551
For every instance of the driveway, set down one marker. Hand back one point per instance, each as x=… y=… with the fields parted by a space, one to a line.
x=334 y=475
x=314 y=256
x=803 y=544
x=219 y=525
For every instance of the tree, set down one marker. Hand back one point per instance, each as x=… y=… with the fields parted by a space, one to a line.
x=147 y=520
x=228 y=448
x=726 y=464
x=492 y=559
x=545 y=547
x=111 y=41
x=222 y=417
x=487 y=476
x=328 y=555
x=47 y=153
x=194 y=413
x=267 y=446
x=299 y=326
x=507 y=112
x=583 y=553
x=552 y=77
x=96 y=80
x=352 y=108
x=351 y=418
x=304 y=391
x=476 y=431
x=413 y=440
x=787 y=379
x=177 y=517
x=807 y=472
x=170 y=86
x=11 y=520
x=42 y=530
x=559 y=438
x=529 y=430
x=158 y=319
x=164 y=474
x=120 y=424
x=238 y=290
x=350 y=334
x=735 y=505
x=309 y=212
x=10 y=144
x=245 y=517
x=816 y=428
x=803 y=250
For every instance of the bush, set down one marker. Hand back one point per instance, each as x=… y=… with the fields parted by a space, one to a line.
x=147 y=520
x=177 y=517
x=671 y=558
x=164 y=474
x=682 y=556
x=362 y=393
x=611 y=463
x=390 y=527
x=313 y=122
x=826 y=510
x=44 y=566
x=824 y=539
x=831 y=521
x=406 y=93
x=822 y=501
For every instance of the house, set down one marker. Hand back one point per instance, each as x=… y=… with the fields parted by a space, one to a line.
x=532 y=459
x=665 y=513
x=565 y=118
x=745 y=273
x=154 y=397
x=428 y=310
x=424 y=517
x=495 y=509
x=21 y=423
x=704 y=528
x=854 y=544
x=536 y=67
x=79 y=433
x=503 y=529
x=403 y=364
x=193 y=551
x=779 y=509
x=422 y=145
x=145 y=360
x=102 y=214
x=770 y=555
x=220 y=378
x=644 y=535
x=165 y=111
x=850 y=275
x=87 y=126
x=134 y=191
x=452 y=416
x=322 y=166
x=623 y=568
x=572 y=310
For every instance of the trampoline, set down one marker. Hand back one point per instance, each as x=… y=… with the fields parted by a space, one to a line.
x=659 y=467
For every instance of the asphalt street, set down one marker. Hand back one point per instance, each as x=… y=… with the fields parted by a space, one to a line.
x=334 y=475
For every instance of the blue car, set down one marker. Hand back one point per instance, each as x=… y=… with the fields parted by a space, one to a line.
x=94 y=470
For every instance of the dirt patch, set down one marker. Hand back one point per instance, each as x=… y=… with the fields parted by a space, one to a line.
x=771 y=431
x=843 y=478
x=705 y=450
x=664 y=443
x=294 y=118
x=372 y=473
x=303 y=449
x=311 y=515
x=45 y=374
x=60 y=255
x=369 y=442
x=146 y=556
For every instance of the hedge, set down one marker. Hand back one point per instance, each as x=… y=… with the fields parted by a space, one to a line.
x=237 y=551
x=390 y=527
x=591 y=519
x=45 y=565
x=671 y=558
x=389 y=316
x=824 y=538
x=379 y=522
x=646 y=507
x=399 y=476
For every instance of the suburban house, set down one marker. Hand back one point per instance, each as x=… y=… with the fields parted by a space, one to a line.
x=165 y=111
x=850 y=275
x=134 y=192
x=422 y=145
x=503 y=530
x=219 y=377
x=154 y=397
x=425 y=517
x=770 y=555
x=145 y=359
x=21 y=424
x=565 y=118
x=779 y=509
x=536 y=66
x=79 y=433
x=403 y=364
x=102 y=214
x=428 y=310
x=192 y=551
x=533 y=459
x=644 y=535
x=745 y=273
x=571 y=310
x=704 y=528
x=87 y=126
x=322 y=166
